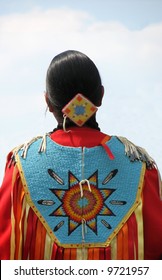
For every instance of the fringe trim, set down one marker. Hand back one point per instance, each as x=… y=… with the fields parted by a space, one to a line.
x=24 y=147
x=136 y=153
x=160 y=184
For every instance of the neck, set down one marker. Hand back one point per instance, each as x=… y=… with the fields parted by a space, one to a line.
x=92 y=123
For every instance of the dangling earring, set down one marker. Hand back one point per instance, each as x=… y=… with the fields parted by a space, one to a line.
x=64 y=124
x=47 y=108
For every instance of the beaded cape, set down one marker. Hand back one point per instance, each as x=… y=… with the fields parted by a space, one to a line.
x=80 y=195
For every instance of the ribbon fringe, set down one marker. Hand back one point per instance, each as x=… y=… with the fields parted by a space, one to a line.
x=24 y=147
x=136 y=153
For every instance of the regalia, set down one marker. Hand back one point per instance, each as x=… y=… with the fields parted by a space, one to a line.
x=81 y=195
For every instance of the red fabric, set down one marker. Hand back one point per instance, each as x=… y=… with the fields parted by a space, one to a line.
x=108 y=253
x=85 y=137
x=132 y=238
x=5 y=212
x=152 y=211
x=79 y=137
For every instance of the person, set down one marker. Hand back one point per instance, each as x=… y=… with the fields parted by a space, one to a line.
x=76 y=192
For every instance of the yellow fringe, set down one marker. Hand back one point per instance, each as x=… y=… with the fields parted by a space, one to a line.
x=48 y=247
x=12 y=240
x=139 y=218
x=82 y=254
x=114 y=248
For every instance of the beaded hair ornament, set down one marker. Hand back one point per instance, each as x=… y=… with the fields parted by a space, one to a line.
x=79 y=110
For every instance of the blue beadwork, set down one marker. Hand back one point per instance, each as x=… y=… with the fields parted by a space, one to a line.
x=67 y=162
x=79 y=110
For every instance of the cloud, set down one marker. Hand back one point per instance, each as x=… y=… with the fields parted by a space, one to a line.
x=30 y=40
x=36 y=30
x=40 y=32
x=130 y=63
x=48 y=30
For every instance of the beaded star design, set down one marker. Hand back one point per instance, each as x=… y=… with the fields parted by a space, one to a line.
x=76 y=208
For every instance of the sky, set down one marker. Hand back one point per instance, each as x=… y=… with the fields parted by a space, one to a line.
x=122 y=37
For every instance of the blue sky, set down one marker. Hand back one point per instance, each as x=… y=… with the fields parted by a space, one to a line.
x=123 y=38
x=134 y=14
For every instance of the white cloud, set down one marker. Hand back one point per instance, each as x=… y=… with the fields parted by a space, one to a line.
x=35 y=31
x=130 y=63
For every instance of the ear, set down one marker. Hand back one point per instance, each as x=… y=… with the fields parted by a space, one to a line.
x=48 y=102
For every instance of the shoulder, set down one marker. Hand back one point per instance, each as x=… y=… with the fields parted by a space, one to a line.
x=22 y=149
x=152 y=175
x=136 y=153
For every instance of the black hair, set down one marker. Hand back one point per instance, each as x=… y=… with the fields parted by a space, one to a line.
x=69 y=73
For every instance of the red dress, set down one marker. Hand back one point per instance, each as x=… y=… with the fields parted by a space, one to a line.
x=23 y=235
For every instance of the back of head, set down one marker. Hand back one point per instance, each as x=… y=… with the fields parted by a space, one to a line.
x=69 y=73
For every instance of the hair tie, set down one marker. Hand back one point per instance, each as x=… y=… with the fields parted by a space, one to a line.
x=78 y=110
